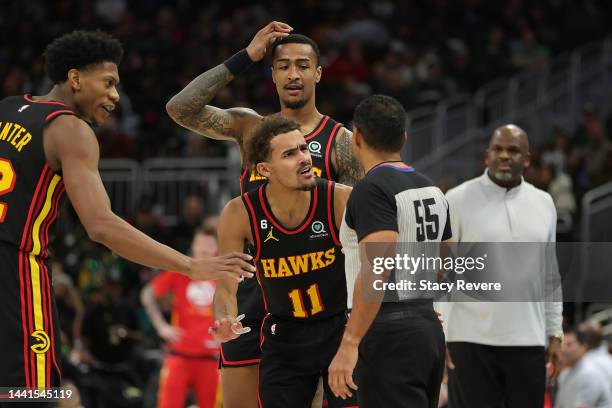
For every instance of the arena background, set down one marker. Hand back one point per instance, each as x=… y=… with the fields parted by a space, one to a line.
x=460 y=68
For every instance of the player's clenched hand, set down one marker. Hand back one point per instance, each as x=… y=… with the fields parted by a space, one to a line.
x=265 y=37
x=228 y=328
x=234 y=265
x=340 y=373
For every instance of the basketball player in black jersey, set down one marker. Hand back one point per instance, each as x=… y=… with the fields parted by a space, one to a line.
x=295 y=71
x=292 y=222
x=47 y=147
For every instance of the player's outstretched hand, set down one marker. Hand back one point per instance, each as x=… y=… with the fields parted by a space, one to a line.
x=234 y=265
x=265 y=37
x=228 y=328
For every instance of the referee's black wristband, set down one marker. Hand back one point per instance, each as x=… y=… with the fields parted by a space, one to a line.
x=238 y=62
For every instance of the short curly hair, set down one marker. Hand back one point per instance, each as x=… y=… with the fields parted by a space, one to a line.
x=77 y=50
x=381 y=120
x=258 y=147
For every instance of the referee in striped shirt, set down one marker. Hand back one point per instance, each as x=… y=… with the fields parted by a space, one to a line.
x=396 y=342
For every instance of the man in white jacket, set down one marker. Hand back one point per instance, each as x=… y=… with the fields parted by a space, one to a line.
x=499 y=349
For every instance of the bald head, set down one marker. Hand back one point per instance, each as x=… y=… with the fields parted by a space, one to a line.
x=507 y=155
x=512 y=131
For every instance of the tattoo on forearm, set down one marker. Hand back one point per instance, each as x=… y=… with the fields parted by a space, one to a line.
x=190 y=108
x=349 y=168
x=219 y=123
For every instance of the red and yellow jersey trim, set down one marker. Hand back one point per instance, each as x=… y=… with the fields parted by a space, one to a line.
x=35 y=284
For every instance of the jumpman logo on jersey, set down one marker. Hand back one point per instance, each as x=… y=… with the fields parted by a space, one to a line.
x=270 y=235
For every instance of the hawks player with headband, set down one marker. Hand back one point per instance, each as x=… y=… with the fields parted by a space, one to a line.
x=47 y=147
x=296 y=70
x=292 y=222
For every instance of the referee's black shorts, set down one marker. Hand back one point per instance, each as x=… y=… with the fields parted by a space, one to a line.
x=401 y=358
x=30 y=335
x=294 y=355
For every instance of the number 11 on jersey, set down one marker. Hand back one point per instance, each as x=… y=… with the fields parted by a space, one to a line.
x=299 y=310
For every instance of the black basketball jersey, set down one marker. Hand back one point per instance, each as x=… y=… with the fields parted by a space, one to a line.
x=30 y=191
x=319 y=141
x=30 y=195
x=300 y=270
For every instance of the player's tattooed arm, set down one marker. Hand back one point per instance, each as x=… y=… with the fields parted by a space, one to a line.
x=347 y=166
x=189 y=108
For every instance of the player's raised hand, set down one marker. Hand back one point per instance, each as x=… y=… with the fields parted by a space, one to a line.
x=228 y=328
x=234 y=265
x=265 y=37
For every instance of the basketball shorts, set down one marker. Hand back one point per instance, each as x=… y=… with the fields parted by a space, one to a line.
x=29 y=344
x=295 y=354
x=245 y=350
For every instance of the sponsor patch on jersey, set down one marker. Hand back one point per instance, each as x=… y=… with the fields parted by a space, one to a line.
x=315 y=148
x=318 y=230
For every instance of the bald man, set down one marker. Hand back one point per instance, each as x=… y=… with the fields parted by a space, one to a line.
x=499 y=349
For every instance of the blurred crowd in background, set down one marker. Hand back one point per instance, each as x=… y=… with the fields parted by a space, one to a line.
x=418 y=51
